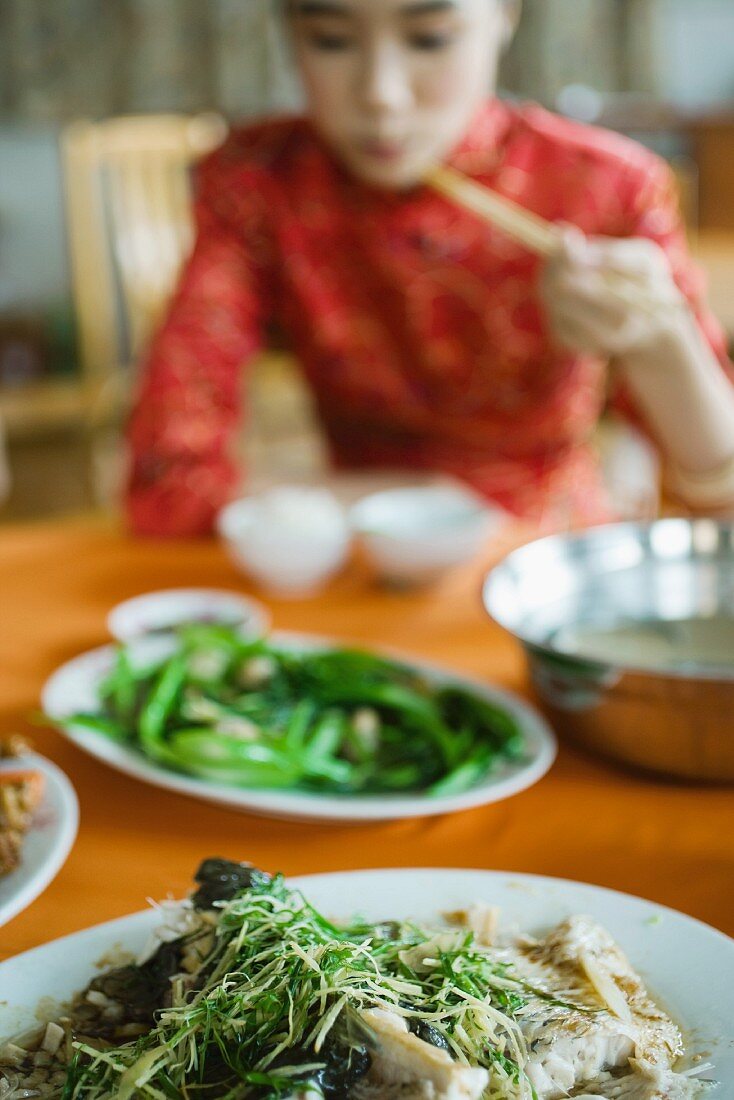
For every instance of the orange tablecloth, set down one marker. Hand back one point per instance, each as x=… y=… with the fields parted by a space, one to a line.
x=586 y=820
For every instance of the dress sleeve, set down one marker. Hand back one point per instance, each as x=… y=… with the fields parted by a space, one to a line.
x=182 y=429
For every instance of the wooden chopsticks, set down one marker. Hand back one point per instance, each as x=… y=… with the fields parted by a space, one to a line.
x=535 y=233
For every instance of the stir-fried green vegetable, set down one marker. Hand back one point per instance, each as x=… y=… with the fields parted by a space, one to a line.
x=277 y=1005
x=249 y=714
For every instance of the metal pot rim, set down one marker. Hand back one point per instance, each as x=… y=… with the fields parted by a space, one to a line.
x=701 y=539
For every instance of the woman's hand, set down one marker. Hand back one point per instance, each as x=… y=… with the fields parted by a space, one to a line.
x=617 y=299
x=610 y=297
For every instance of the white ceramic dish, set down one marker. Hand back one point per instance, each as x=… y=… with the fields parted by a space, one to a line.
x=73 y=688
x=48 y=841
x=290 y=539
x=414 y=535
x=688 y=966
x=160 y=611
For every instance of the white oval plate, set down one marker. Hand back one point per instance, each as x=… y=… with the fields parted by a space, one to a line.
x=48 y=841
x=688 y=966
x=73 y=688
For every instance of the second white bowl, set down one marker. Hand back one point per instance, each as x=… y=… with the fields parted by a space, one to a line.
x=415 y=535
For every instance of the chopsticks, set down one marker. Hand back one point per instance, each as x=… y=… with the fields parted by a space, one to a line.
x=536 y=234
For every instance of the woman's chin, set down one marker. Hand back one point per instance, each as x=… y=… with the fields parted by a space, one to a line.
x=392 y=174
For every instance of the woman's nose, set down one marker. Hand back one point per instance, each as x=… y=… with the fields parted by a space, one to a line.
x=385 y=84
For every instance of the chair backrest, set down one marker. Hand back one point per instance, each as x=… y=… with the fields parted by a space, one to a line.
x=129 y=223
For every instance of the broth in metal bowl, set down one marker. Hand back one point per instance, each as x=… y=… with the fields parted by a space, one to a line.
x=629 y=634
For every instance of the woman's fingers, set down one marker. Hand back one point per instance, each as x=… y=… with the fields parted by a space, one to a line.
x=598 y=292
x=573 y=335
x=581 y=334
x=637 y=257
x=596 y=323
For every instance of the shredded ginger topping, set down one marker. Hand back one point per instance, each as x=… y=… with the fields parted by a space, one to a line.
x=282 y=978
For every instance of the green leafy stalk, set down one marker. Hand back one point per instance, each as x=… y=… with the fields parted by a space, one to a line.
x=230 y=710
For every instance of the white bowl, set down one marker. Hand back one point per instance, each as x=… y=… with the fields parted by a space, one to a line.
x=291 y=540
x=415 y=535
x=159 y=612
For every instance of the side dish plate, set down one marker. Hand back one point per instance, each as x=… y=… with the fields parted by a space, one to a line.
x=48 y=841
x=73 y=688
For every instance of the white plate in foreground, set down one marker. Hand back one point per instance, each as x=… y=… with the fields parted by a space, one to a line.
x=688 y=966
x=73 y=689
x=48 y=841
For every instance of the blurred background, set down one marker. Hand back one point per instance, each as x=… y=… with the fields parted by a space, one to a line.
x=79 y=285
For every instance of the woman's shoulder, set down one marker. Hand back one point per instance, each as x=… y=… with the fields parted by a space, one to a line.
x=566 y=140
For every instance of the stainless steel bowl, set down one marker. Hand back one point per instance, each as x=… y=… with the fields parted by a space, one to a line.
x=679 y=721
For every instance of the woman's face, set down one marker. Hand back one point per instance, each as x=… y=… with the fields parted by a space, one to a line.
x=392 y=85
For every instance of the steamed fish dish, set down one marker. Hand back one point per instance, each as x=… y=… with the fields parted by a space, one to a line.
x=247 y=991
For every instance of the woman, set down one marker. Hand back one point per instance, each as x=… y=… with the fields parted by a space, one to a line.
x=430 y=340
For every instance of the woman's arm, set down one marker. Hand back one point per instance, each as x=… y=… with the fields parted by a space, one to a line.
x=686 y=397
x=665 y=356
x=189 y=405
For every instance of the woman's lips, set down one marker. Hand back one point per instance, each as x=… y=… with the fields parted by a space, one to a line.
x=388 y=152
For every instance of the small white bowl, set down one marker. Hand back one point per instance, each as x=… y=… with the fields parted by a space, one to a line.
x=415 y=535
x=291 y=540
x=160 y=612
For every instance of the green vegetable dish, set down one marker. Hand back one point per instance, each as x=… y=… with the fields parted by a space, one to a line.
x=251 y=714
x=248 y=992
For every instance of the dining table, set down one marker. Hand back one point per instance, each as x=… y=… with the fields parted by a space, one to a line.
x=588 y=819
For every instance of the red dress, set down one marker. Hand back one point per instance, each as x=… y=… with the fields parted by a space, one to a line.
x=419 y=328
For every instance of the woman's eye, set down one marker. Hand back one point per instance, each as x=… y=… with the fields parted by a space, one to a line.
x=430 y=41
x=329 y=43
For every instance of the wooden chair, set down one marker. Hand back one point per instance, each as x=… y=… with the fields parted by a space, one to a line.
x=128 y=208
x=127 y=191
x=128 y=203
